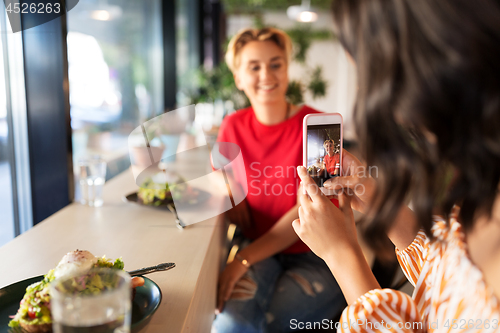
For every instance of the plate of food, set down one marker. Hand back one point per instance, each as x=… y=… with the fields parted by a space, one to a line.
x=157 y=193
x=25 y=305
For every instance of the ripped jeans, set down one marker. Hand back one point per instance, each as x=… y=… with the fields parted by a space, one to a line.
x=279 y=289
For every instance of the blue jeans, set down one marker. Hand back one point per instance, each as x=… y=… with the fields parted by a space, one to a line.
x=279 y=289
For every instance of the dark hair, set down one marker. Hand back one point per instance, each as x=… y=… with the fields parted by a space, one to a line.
x=428 y=104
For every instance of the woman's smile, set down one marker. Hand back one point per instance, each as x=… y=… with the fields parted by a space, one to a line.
x=267 y=87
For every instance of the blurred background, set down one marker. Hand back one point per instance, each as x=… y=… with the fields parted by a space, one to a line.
x=78 y=85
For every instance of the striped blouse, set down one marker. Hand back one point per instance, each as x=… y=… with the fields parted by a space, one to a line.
x=450 y=293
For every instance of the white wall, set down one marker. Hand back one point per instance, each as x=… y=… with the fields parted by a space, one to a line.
x=337 y=70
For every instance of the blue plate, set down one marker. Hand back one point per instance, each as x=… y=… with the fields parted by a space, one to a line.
x=147 y=299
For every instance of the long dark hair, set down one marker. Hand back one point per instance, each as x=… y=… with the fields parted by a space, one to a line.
x=428 y=104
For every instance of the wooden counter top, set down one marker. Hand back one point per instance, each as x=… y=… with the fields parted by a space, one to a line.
x=142 y=236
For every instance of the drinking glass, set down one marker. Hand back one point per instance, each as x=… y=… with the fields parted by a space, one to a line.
x=92 y=175
x=98 y=301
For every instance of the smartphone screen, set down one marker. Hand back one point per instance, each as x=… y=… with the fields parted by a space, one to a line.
x=324 y=149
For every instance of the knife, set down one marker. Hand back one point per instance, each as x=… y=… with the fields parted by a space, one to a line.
x=158 y=268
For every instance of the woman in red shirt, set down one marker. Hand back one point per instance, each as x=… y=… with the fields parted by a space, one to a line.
x=275 y=283
x=331 y=161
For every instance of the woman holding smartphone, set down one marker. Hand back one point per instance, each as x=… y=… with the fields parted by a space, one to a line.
x=275 y=278
x=428 y=118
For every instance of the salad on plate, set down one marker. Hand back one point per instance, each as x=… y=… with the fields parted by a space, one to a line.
x=34 y=311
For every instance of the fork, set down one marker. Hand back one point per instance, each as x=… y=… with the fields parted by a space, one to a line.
x=178 y=221
x=157 y=268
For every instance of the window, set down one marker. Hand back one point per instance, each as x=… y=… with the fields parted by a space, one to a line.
x=115 y=70
x=15 y=186
x=6 y=195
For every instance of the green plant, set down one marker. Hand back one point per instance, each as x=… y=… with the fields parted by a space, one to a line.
x=208 y=85
x=317 y=86
x=302 y=36
x=295 y=92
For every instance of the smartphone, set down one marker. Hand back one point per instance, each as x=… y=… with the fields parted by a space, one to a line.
x=322 y=147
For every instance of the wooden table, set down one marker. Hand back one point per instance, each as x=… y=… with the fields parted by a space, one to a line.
x=142 y=236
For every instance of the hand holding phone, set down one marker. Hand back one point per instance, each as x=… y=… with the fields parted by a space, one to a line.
x=322 y=147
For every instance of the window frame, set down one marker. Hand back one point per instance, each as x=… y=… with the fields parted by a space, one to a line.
x=48 y=116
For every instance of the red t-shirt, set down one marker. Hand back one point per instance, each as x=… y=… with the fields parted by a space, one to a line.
x=332 y=164
x=271 y=155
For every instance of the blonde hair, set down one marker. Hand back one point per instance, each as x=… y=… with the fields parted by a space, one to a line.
x=245 y=36
x=328 y=140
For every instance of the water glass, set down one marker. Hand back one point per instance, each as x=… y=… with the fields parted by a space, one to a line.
x=98 y=301
x=92 y=174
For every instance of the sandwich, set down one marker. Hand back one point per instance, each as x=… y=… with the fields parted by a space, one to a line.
x=34 y=311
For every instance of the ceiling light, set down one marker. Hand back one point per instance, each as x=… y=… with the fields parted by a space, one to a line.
x=106 y=12
x=302 y=13
x=307 y=17
x=101 y=15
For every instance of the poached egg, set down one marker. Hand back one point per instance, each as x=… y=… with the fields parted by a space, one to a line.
x=75 y=263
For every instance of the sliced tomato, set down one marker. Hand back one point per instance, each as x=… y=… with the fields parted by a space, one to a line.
x=32 y=312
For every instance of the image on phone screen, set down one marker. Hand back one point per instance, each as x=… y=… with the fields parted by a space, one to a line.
x=323 y=152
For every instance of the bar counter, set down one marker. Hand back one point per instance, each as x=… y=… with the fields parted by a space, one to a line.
x=142 y=236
